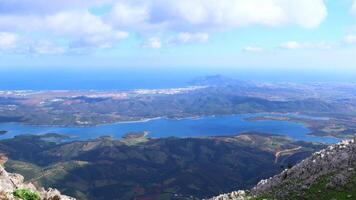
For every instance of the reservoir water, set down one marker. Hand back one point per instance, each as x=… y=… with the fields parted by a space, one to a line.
x=205 y=126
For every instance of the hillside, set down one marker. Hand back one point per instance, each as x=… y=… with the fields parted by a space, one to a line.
x=13 y=187
x=327 y=174
x=144 y=168
x=92 y=108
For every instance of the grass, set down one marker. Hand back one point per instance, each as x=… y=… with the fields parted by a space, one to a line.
x=26 y=194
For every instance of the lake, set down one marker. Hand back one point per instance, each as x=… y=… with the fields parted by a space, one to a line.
x=205 y=126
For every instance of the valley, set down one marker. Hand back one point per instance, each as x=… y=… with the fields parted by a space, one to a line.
x=215 y=136
x=138 y=167
x=177 y=100
x=209 y=96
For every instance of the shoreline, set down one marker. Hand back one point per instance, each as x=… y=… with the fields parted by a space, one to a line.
x=301 y=120
x=152 y=119
x=242 y=116
x=3 y=132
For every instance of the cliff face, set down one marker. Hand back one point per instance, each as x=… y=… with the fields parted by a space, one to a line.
x=11 y=183
x=327 y=174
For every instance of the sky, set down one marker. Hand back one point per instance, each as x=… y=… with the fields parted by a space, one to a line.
x=263 y=35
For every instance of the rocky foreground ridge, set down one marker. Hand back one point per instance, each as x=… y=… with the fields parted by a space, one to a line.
x=11 y=183
x=327 y=174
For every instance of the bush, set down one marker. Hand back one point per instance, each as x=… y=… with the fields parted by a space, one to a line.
x=26 y=194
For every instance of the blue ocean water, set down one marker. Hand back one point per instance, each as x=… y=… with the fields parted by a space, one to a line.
x=93 y=79
x=105 y=78
x=158 y=128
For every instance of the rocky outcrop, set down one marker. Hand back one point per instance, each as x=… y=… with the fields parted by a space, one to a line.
x=236 y=195
x=335 y=163
x=335 y=166
x=9 y=183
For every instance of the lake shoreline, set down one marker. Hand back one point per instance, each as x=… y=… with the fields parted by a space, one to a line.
x=143 y=120
x=214 y=125
x=3 y=132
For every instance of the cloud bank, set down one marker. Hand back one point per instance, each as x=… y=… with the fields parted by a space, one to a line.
x=353 y=9
x=218 y=14
x=68 y=24
x=8 y=40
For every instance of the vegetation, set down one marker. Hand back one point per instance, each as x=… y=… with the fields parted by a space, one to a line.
x=153 y=168
x=231 y=98
x=322 y=191
x=26 y=194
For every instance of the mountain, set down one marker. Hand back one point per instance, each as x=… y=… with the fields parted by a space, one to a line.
x=327 y=174
x=12 y=187
x=222 y=96
x=149 y=169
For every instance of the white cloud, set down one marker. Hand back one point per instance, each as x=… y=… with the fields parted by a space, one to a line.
x=293 y=45
x=80 y=28
x=305 y=13
x=8 y=40
x=85 y=29
x=46 y=47
x=350 y=39
x=212 y=14
x=353 y=9
x=153 y=43
x=179 y=39
x=14 y=43
x=191 y=20
x=189 y=38
x=73 y=23
x=253 y=49
x=127 y=14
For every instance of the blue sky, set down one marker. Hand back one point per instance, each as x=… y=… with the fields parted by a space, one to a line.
x=241 y=34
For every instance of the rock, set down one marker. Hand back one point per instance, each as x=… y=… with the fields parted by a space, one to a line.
x=334 y=164
x=337 y=181
x=236 y=195
x=10 y=182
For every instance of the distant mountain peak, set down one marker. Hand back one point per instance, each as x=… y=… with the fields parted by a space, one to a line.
x=217 y=80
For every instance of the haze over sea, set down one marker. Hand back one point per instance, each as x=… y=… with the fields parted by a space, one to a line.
x=145 y=78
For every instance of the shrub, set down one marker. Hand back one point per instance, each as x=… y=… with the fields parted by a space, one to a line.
x=25 y=194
